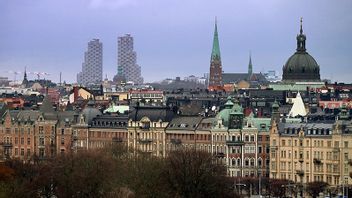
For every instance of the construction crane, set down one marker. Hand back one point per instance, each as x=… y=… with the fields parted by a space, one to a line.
x=15 y=73
x=40 y=74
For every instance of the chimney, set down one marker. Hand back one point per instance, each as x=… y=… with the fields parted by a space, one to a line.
x=75 y=93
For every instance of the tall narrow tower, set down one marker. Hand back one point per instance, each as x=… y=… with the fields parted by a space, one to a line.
x=250 y=66
x=92 y=66
x=127 y=60
x=25 y=80
x=215 y=77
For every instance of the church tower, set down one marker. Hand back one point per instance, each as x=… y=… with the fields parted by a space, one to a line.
x=215 y=77
x=25 y=80
x=250 y=67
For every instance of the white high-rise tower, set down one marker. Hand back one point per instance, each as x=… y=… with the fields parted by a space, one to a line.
x=92 y=67
x=127 y=60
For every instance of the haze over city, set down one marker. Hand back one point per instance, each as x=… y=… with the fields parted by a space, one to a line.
x=173 y=38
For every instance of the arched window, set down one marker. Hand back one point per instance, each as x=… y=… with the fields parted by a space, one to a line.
x=233 y=162
x=252 y=161
x=246 y=162
x=260 y=162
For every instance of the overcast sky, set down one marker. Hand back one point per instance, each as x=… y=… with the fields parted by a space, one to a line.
x=173 y=37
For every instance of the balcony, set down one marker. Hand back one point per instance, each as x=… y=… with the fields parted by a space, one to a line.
x=117 y=139
x=317 y=161
x=6 y=144
x=301 y=160
x=219 y=155
x=176 y=141
x=300 y=173
x=349 y=162
x=234 y=142
x=145 y=141
x=273 y=148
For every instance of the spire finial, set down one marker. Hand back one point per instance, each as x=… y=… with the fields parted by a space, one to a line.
x=301 y=30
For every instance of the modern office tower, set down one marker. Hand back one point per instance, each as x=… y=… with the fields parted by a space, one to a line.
x=127 y=60
x=92 y=67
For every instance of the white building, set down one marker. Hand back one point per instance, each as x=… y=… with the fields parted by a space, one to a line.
x=127 y=60
x=92 y=67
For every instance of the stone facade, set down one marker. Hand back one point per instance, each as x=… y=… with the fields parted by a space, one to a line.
x=307 y=152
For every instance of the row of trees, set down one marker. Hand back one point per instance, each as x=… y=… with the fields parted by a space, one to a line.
x=114 y=172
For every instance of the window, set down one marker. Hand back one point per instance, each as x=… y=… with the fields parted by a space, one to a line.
x=283 y=143
x=28 y=152
x=267 y=149
x=41 y=141
x=233 y=161
x=336 y=144
x=22 y=151
x=62 y=141
x=41 y=129
x=16 y=140
x=22 y=140
x=62 y=131
x=28 y=131
x=260 y=162
x=260 y=149
x=252 y=162
x=41 y=152
x=329 y=144
x=28 y=141
x=252 y=138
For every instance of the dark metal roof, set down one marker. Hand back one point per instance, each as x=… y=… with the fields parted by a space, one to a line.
x=236 y=77
x=154 y=113
x=322 y=129
x=110 y=121
x=184 y=123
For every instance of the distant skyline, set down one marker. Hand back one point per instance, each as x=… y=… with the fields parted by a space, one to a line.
x=173 y=37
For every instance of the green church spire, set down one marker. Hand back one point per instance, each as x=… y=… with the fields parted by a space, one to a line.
x=215 y=53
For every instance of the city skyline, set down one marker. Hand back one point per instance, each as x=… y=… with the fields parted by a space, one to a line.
x=171 y=38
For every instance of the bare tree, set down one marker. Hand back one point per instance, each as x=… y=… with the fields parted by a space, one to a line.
x=191 y=173
x=314 y=188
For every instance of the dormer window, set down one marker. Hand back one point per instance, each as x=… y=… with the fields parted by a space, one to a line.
x=183 y=125
x=262 y=126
